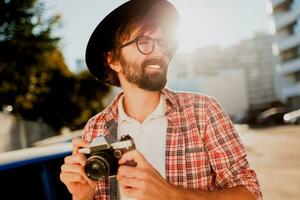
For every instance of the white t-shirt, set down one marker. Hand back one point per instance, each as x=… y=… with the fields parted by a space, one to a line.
x=149 y=137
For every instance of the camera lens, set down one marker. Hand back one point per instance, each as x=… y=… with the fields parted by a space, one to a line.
x=97 y=168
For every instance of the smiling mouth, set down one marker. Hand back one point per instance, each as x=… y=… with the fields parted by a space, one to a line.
x=154 y=66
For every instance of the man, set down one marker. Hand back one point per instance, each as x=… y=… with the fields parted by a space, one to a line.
x=186 y=146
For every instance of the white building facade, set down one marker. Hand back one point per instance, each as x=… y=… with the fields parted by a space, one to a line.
x=286 y=28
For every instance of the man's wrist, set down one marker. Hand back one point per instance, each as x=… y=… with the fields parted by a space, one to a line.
x=237 y=192
x=89 y=197
x=175 y=193
x=178 y=193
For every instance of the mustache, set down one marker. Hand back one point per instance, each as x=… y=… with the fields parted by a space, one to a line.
x=153 y=61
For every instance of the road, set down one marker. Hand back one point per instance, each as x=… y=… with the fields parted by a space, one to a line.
x=274 y=153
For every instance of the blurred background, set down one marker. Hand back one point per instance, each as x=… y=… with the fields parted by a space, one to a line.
x=246 y=54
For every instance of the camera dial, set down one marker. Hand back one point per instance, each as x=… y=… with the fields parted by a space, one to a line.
x=118 y=153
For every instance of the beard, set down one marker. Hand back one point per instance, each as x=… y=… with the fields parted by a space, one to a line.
x=140 y=76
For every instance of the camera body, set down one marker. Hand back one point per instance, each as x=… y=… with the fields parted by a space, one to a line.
x=103 y=156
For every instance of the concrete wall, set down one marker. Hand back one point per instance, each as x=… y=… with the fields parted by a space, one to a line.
x=227 y=86
x=16 y=133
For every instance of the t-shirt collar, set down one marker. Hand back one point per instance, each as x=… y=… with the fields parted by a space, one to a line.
x=157 y=113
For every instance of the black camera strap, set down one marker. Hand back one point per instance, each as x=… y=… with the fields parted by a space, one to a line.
x=113 y=188
x=112 y=127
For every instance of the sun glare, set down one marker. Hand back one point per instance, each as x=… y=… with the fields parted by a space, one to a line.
x=200 y=26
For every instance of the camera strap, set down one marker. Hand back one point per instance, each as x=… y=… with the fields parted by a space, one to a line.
x=112 y=127
x=113 y=188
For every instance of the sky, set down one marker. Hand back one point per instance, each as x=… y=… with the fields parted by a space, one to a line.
x=203 y=22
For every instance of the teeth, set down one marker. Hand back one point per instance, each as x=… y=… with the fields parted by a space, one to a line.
x=154 y=66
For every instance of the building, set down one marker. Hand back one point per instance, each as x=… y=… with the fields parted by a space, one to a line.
x=254 y=55
x=241 y=77
x=286 y=28
x=221 y=85
x=205 y=71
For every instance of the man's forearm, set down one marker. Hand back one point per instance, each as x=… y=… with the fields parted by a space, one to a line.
x=239 y=193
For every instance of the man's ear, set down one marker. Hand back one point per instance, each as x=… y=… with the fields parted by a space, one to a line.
x=113 y=63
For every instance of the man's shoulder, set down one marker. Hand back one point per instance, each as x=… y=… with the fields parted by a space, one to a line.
x=97 y=125
x=186 y=98
x=193 y=96
x=100 y=119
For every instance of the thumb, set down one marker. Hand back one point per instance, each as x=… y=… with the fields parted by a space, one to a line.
x=77 y=143
x=135 y=156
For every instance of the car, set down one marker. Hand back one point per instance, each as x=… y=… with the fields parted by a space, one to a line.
x=271 y=116
x=292 y=117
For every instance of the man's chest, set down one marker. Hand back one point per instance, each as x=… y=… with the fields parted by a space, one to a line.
x=150 y=140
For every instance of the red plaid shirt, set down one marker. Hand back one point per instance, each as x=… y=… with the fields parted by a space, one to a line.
x=203 y=149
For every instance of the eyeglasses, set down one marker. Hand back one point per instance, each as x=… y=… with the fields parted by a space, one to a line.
x=146 y=45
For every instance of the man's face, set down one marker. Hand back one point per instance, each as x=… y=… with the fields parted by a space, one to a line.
x=148 y=72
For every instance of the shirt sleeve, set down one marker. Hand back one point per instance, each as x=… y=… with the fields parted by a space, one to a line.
x=226 y=153
x=101 y=189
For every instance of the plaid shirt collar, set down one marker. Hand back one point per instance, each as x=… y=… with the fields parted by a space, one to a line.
x=171 y=101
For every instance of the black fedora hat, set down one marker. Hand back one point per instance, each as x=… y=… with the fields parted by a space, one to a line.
x=102 y=39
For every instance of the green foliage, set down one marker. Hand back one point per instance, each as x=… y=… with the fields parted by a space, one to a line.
x=88 y=93
x=34 y=78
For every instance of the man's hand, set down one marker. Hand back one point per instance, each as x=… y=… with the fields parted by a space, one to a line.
x=73 y=175
x=142 y=181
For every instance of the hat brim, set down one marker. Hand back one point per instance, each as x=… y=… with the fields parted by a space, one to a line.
x=102 y=38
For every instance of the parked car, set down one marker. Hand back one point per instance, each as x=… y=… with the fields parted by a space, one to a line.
x=272 y=116
x=292 y=117
x=265 y=117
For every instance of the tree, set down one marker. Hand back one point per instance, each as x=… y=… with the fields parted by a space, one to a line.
x=88 y=94
x=34 y=78
x=24 y=43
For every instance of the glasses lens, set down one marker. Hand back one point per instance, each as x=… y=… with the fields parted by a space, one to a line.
x=145 y=44
x=164 y=45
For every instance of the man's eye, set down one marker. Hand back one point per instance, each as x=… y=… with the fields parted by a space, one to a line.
x=143 y=42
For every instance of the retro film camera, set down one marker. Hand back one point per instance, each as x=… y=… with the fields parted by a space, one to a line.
x=103 y=155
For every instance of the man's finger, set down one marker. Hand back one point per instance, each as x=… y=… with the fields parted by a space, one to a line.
x=75 y=159
x=127 y=171
x=133 y=193
x=69 y=168
x=77 y=143
x=135 y=156
x=131 y=182
x=67 y=177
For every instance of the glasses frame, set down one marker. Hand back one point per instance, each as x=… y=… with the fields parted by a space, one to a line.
x=164 y=49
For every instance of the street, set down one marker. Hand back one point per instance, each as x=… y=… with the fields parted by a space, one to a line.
x=275 y=155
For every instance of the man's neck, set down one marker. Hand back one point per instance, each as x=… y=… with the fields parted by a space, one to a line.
x=138 y=103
